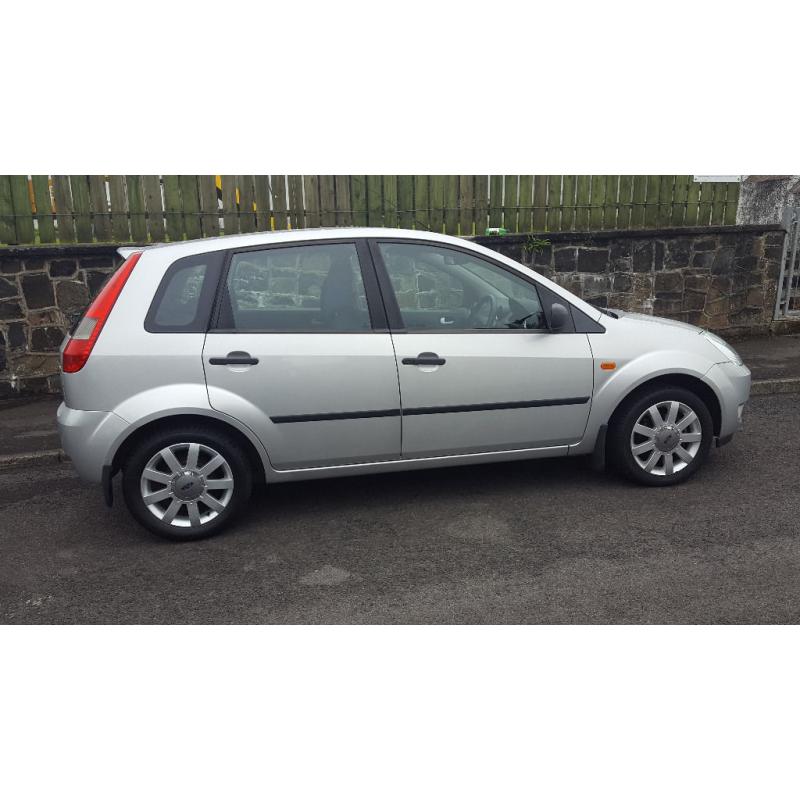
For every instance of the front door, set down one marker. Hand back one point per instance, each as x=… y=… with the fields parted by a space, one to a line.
x=479 y=370
x=296 y=357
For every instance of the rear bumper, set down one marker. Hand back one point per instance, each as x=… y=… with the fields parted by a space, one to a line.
x=87 y=438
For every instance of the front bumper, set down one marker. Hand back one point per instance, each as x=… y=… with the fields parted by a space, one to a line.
x=88 y=438
x=732 y=383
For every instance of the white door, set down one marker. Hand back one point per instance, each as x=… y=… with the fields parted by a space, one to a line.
x=479 y=369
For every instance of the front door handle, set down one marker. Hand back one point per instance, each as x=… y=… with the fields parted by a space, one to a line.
x=236 y=357
x=424 y=360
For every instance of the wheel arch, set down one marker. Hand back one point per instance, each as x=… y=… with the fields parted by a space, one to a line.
x=210 y=423
x=690 y=382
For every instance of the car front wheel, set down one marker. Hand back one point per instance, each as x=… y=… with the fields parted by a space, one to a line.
x=662 y=437
x=186 y=484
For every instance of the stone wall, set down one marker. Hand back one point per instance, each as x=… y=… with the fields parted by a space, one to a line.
x=41 y=290
x=722 y=278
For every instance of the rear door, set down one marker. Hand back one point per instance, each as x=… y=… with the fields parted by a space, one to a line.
x=479 y=369
x=301 y=353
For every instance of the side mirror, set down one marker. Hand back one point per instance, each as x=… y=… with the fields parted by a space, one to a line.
x=559 y=317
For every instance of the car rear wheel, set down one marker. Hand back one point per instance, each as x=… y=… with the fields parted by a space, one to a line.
x=186 y=484
x=662 y=437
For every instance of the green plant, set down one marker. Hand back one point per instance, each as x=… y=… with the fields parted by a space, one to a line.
x=534 y=243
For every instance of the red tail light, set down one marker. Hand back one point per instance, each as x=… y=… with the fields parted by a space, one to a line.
x=81 y=342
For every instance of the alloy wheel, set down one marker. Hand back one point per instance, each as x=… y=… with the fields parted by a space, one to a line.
x=666 y=438
x=186 y=485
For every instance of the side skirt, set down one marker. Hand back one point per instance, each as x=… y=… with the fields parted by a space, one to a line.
x=310 y=473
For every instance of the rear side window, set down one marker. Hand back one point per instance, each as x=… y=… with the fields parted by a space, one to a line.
x=302 y=288
x=184 y=299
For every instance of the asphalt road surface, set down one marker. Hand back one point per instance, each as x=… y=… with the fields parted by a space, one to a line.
x=526 y=542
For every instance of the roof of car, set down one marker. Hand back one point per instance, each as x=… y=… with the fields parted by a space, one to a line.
x=238 y=240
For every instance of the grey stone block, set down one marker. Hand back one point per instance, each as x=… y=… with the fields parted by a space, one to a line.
x=592 y=260
x=703 y=260
x=658 y=255
x=678 y=253
x=669 y=281
x=542 y=257
x=565 y=259
x=95 y=281
x=97 y=262
x=705 y=244
x=37 y=290
x=11 y=310
x=643 y=256
x=17 y=336
x=10 y=266
x=63 y=268
x=8 y=288
x=73 y=296
x=622 y=282
x=46 y=339
x=745 y=262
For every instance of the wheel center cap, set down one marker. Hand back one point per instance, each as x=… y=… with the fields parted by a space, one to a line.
x=668 y=438
x=189 y=485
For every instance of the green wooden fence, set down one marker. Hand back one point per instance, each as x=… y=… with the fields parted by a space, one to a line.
x=46 y=209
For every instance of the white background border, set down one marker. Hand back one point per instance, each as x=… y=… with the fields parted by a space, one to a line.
x=467 y=87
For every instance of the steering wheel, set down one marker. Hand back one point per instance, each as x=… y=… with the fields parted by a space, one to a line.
x=483 y=319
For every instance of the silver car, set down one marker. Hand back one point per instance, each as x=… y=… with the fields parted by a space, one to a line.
x=204 y=367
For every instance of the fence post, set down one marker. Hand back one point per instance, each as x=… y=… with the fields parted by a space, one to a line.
x=539 y=218
x=344 y=205
x=327 y=200
x=358 y=194
x=190 y=201
x=44 y=209
x=8 y=231
x=230 y=218
x=119 y=209
x=66 y=227
x=279 y=203
x=81 y=204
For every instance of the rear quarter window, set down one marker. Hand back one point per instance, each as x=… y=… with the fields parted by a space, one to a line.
x=185 y=296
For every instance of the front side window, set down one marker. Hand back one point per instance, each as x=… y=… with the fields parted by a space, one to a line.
x=315 y=287
x=442 y=289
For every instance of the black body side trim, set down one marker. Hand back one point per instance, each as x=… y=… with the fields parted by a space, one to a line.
x=415 y=412
x=336 y=415
x=560 y=401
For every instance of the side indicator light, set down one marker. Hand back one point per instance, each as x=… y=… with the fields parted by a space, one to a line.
x=608 y=365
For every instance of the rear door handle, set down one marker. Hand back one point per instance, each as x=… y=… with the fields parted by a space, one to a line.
x=424 y=360
x=236 y=357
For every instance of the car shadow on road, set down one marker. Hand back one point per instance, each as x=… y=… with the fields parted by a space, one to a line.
x=428 y=485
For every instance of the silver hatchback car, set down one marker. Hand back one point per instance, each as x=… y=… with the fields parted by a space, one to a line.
x=205 y=366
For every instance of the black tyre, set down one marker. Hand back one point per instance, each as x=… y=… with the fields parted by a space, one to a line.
x=661 y=437
x=186 y=483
